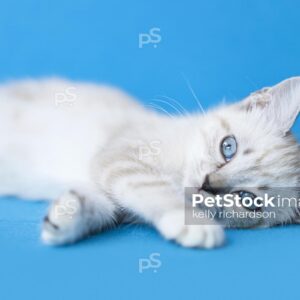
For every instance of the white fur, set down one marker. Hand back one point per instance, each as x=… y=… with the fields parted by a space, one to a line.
x=105 y=156
x=46 y=148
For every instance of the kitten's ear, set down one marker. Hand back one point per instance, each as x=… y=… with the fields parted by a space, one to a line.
x=279 y=104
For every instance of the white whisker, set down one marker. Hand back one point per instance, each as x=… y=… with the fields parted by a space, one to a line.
x=176 y=102
x=170 y=104
x=193 y=93
x=159 y=108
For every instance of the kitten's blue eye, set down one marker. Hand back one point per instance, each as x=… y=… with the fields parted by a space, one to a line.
x=229 y=147
x=249 y=195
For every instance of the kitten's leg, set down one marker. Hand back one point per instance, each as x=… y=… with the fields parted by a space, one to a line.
x=166 y=212
x=76 y=214
x=140 y=189
x=135 y=186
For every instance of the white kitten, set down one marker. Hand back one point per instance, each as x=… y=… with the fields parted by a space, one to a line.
x=107 y=160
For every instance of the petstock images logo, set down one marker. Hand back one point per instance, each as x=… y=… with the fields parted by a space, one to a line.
x=242 y=206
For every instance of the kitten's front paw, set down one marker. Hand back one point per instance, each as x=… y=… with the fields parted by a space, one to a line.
x=62 y=224
x=172 y=227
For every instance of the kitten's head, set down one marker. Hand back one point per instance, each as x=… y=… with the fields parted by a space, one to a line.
x=250 y=151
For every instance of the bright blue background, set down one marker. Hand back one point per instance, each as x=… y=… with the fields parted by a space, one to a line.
x=225 y=49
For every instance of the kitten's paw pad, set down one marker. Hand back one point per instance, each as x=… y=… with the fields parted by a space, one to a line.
x=62 y=223
x=207 y=236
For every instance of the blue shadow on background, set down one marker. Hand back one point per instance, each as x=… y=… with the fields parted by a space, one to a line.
x=222 y=49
